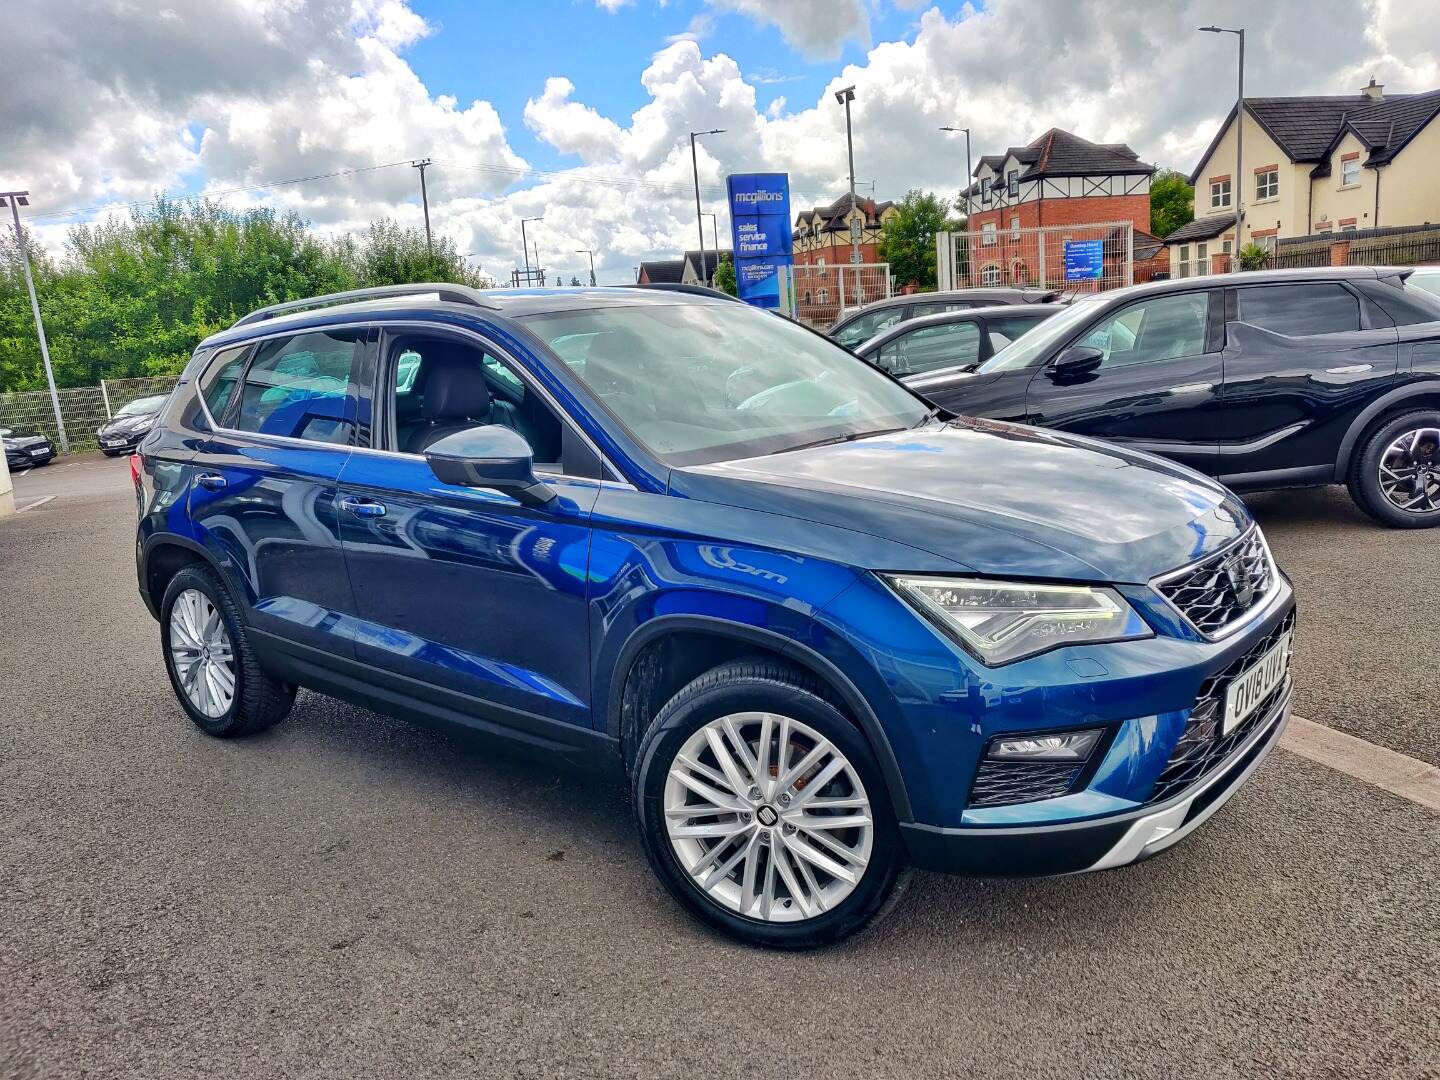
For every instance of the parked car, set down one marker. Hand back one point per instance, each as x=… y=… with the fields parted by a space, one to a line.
x=26 y=451
x=953 y=342
x=859 y=325
x=1271 y=379
x=827 y=632
x=123 y=431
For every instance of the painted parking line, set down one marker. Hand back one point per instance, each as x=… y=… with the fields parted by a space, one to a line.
x=32 y=505
x=1374 y=765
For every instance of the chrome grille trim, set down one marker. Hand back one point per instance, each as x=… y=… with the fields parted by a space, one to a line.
x=1201 y=593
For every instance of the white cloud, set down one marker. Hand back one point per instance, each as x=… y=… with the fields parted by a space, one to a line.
x=818 y=28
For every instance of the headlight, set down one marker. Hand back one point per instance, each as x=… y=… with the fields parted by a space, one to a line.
x=1004 y=621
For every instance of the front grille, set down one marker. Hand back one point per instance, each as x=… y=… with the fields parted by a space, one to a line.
x=1220 y=589
x=1000 y=783
x=1201 y=746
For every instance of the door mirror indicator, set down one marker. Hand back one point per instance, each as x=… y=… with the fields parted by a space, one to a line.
x=1076 y=360
x=490 y=456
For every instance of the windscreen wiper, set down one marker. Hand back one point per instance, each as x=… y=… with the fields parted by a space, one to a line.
x=841 y=439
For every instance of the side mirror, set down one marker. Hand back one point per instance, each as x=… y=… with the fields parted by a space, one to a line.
x=1076 y=360
x=492 y=457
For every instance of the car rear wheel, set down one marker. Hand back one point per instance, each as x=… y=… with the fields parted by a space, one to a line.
x=763 y=812
x=212 y=669
x=1396 y=476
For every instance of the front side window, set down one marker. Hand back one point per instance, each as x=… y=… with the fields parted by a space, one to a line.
x=1267 y=184
x=863 y=327
x=931 y=347
x=1165 y=328
x=1299 y=310
x=1350 y=171
x=299 y=387
x=698 y=383
x=1219 y=193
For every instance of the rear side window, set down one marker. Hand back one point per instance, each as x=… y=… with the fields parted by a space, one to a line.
x=864 y=327
x=1401 y=304
x=1300 y=310
x=299 y=387
x=217 y=385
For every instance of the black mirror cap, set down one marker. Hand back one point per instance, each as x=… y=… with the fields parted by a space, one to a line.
x=490 y=456
x=1077 y=360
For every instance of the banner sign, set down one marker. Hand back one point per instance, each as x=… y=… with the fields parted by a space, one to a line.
x=1084 y=260
x=760 y=234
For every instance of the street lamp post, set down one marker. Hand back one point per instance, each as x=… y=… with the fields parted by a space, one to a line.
x=587 y=251
x=845 y=97
x=525 y=247
x=968 y=178
x=715 y=234
x=17 y=199
x=1236 y=185
x=700 y=221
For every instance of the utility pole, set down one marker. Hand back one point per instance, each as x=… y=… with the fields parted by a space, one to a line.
x=699 y=220
x=587 y=251
x=1236 y=185
x=17 y=199
x=966 y=130
x=525 y=248
x=715 y=234
x=425 y=202
x=845 y=97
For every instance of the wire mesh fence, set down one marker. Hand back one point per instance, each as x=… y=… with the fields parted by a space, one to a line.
x=83 y=408
x=1076 y=258
x=823 y=293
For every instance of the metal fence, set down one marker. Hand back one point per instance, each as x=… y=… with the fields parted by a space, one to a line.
x=83 y=408
x=1076 y=258
x=1404 y=245
x=822 y=293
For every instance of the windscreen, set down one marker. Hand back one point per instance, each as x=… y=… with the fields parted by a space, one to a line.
x=697 y=383
x=142 y=406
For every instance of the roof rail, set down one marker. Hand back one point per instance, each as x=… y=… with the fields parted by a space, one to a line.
x=455 y=294
x=693 y=290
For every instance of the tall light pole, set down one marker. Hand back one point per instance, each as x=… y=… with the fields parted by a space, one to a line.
x=699 y=221
x=425 y=202
x=1236 y=186
x=17 y=199
x=587 y=251
x=525 y=247
x=714 y=233
x=968 y=178
x=845 y=97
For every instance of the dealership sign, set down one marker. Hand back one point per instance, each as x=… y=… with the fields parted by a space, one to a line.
x=760 y=233
x=1084 y=260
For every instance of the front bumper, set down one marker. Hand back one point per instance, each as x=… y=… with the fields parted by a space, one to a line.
x=21 y=458
x=121 y=442
x=1098 y=844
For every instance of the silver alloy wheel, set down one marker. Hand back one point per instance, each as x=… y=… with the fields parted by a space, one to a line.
x=768 y=817
x=201 y=651
x=1410 y=471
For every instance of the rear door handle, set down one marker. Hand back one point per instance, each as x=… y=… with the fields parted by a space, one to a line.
x=210 y=481
x=1192 y=388
x=362 y=507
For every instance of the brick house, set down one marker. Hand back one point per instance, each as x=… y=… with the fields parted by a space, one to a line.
x=822 y=235
x=1314 y=166
x=1059 y=179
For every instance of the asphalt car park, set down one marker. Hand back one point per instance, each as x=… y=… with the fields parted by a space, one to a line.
x=348 y=895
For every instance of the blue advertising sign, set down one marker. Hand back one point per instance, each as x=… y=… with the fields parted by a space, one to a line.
x=760 y=234
x=1084 y=260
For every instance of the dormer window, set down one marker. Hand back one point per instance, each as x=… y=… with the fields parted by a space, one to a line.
x=985 y=192
x=1350 y=170
x=1012 y=183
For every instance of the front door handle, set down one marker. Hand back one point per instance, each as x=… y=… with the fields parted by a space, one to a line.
x=210 y=481
x=362 y=507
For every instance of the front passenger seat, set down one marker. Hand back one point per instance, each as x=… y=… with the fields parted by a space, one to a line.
x=455 y=399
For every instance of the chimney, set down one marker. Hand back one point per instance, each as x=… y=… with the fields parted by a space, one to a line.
x=1375 y=91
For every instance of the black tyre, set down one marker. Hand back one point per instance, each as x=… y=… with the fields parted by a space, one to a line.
x=212 y=669
x=763 y=812
x=1395 y=476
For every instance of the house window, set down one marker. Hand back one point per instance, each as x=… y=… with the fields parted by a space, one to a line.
x=1012 y=183
x=990 y=275
x=1225 y=247
x=1183 y=267
x=1267 y=184
x=1014 y=226
x=820 y=264
x=1350 y=172
x=1202 y=257
x=822 y=295
x=1347 y=226
x=1219 y=193
x=987 y=233
x=985 y=192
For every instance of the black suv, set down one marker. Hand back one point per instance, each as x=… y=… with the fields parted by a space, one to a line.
x=1271 y=379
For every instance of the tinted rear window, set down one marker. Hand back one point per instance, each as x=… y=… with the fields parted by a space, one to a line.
x=1401 y=303
x=1300 y=310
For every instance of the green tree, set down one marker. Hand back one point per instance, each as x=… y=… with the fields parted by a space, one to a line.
x=1254 y=256
x=908 y=244
x=725 y=276
x=1172 y=202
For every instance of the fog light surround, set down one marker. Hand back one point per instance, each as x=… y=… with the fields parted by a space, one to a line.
x=1065 y=746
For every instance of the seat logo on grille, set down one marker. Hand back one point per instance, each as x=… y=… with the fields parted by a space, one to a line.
x=1238 y=573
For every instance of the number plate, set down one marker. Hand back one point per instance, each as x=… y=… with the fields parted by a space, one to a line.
x=1245 y=693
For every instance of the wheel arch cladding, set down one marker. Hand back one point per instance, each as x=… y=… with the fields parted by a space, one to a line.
x=163 y=558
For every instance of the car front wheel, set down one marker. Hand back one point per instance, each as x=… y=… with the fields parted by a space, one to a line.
x=1396 y=476
x=762 y=809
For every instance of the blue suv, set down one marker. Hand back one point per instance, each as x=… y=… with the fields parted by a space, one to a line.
x=829 y=631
